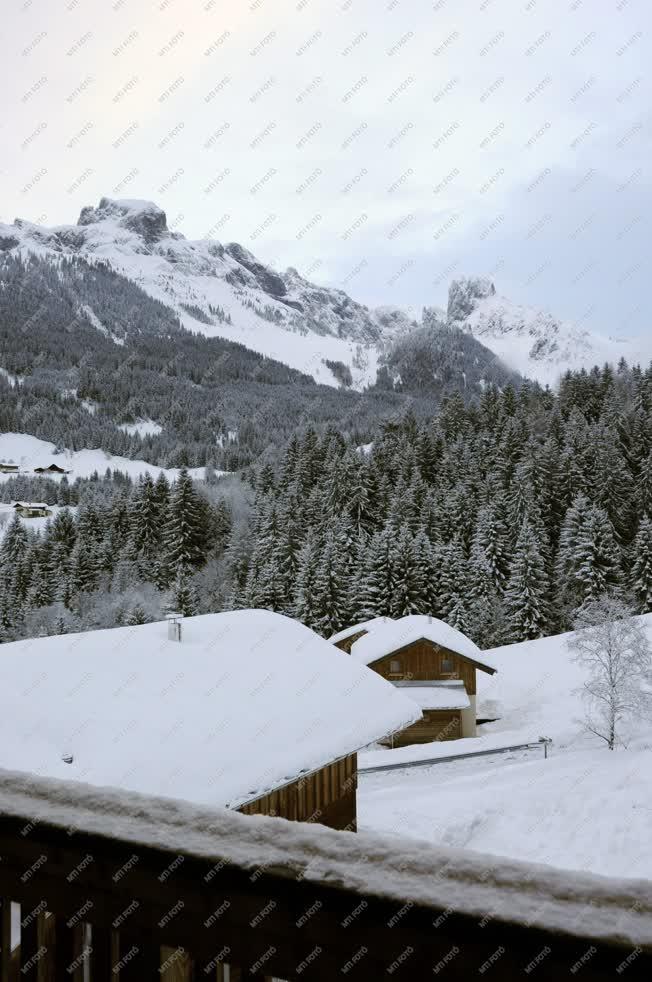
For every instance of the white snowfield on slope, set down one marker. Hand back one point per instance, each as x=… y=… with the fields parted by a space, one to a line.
x=30 y=452
x=585 y=807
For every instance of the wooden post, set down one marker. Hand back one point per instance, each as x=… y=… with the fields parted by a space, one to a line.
x=29 y=945
x=5 y=940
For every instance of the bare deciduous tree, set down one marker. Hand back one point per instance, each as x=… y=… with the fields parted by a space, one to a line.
x=613 y=645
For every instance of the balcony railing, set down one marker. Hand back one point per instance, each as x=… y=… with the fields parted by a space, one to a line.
x=141 y=888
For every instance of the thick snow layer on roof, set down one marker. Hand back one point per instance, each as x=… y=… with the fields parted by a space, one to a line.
x=245 y=703
x=436 y=695
x=383 y=641
x=362 y=626
x=385 y=866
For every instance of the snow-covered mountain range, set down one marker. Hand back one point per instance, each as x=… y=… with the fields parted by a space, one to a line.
x=223 y=290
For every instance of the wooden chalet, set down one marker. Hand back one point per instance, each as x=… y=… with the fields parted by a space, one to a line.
x=245 y=710
x=432 y=663
x=8 y=468
x=33 y=509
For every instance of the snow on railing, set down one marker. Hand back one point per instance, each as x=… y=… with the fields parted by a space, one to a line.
x=161 y=882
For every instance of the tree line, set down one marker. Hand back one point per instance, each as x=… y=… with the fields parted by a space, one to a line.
x=504 y=517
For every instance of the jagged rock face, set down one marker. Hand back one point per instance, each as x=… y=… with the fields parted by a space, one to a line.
x=464 y=294
x=268 y=281
x=144 y=218
x=226 y=291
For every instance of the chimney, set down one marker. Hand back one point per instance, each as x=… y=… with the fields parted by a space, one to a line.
x=174 y=626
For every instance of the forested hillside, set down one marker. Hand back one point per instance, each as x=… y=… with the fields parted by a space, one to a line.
x=88 y=351
x=502 y=518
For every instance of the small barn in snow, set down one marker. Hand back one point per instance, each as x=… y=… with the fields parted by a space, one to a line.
x=432 y=663
x=247 y=710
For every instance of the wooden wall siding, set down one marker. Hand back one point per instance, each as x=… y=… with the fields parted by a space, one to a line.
x=422 y=661
x=327 y=796
x=437 y=724
x=347 y=643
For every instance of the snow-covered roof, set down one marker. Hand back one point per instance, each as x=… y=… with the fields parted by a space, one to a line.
x=245 y=703
x=31 y=504
x=357 y=628
x=383 y=641
x=436 y=695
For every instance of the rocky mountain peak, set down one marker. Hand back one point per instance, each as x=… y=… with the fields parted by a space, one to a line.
x=464 y=294
x=144 y=218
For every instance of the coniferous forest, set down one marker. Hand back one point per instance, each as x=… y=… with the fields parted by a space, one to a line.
x=503 y=516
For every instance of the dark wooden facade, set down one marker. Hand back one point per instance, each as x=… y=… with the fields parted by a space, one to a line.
x=327 y=796
x=347 y=643
x=436 y=724
x=424 y=661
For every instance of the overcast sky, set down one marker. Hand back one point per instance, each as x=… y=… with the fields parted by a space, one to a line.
x=384 y=146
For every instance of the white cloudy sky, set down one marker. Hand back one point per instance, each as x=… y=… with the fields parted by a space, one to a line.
x=382 y=145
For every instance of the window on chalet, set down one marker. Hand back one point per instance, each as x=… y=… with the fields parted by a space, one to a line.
x=395 y=666
x=447 y=665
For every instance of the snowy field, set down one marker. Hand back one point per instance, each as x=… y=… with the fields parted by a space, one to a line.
x=583 y=808
x=30 y=452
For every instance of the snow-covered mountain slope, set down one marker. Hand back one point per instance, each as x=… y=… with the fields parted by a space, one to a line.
x=532 y=341
x=222 y=290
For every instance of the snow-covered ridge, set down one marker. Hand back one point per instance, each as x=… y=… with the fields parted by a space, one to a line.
x=222 y=290
x=530 y=340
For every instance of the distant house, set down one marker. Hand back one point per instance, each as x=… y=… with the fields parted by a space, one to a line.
x=8 y=468
x=432 y=663
x=344 y=640
x=50 y=469
x=247 y=710
x=33 y=509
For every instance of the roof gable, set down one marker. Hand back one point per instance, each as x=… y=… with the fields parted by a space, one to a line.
x=399 y=634
x=365 y=626
x=247 y=702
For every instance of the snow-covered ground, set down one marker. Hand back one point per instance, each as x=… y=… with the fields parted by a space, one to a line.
x=30 y=452
x=583 y=808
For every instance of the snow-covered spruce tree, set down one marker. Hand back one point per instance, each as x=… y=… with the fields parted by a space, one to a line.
x=527 y=596
x=183 y=598
x=410 y=587
x=330 y=597
x=612 y=645
x=186 y=531
x=379 y=575
x=641 y=567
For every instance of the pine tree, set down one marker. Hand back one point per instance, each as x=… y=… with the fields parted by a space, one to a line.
x=641 y=570
x=526 y=599
x=183 y=594
x=185 y=528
